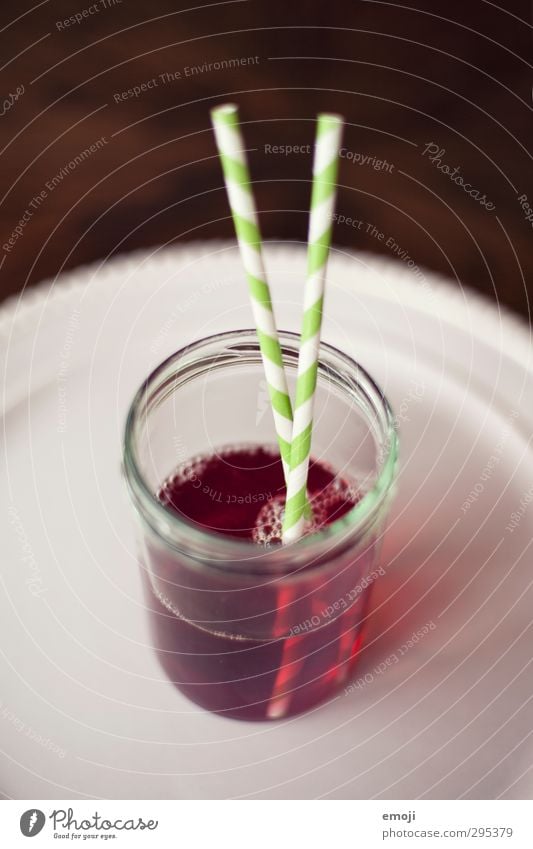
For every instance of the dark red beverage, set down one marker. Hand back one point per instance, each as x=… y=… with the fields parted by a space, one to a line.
x=260 y=647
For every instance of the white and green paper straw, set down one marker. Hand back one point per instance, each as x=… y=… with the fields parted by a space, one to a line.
x=325 y=167
x=238 y=185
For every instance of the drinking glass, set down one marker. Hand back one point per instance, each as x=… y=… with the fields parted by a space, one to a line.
x=245 y=630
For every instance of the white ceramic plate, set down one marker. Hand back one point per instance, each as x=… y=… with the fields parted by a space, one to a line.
x=85 y=710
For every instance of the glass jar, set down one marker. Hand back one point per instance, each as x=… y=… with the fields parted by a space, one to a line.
x=244 y=630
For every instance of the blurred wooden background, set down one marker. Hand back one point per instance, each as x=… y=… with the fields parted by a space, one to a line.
x=453 y=74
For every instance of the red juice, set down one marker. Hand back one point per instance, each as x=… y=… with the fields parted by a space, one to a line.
x=264 y=649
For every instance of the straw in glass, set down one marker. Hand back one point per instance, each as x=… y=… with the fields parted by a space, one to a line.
x=238 y=186
x=325 y=168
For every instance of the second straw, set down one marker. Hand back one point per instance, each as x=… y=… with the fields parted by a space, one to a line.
x=325 y=168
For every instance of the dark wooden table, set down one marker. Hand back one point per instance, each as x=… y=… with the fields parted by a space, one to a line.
x=106 y=142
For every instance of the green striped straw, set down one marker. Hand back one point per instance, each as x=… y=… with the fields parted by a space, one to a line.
x=230 y=145
x=325 y=167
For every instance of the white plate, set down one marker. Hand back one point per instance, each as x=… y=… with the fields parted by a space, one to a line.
x=85 y=710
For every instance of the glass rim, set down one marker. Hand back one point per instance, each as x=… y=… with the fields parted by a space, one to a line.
x=203 y=544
